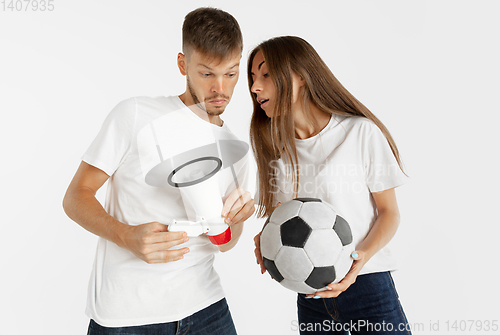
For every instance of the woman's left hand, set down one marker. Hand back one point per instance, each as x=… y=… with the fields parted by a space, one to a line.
x=334 y=290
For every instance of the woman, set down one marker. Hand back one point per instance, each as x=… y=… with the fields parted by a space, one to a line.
x=312 y=138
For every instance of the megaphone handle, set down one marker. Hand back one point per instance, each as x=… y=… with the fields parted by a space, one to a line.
x=191 y=228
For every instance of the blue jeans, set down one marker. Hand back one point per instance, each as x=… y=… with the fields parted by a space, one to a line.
x=215 y=319
x=369 y=306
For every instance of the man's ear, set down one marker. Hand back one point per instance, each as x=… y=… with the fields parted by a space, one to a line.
x=182 y=63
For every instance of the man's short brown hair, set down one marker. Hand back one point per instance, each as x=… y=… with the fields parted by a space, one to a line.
x=212 y=32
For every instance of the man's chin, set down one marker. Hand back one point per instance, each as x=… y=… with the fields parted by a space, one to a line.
x=215 y=111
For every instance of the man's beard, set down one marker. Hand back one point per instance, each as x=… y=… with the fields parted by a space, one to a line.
x=213 y=112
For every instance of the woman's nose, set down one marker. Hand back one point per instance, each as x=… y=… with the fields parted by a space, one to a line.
x=255 y=87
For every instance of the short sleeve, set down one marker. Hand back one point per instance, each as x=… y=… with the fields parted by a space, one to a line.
x=242 y=173
x=112 y=143
x=382 y=169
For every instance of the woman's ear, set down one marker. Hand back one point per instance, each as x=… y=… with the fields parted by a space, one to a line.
x=298 y=86
x=300 y=82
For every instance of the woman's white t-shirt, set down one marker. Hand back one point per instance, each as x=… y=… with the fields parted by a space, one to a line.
x=342 y=165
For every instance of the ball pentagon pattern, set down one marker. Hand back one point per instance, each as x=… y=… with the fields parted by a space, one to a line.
x=306 y=245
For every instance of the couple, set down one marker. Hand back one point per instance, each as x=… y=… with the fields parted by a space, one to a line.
x=149 y=280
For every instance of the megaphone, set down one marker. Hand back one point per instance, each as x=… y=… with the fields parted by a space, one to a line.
x=197 y=180
x=194 y=170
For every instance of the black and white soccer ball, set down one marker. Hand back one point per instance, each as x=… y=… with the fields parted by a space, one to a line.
x=306 y=245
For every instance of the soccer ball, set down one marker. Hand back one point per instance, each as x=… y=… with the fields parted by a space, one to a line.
x=306 y=245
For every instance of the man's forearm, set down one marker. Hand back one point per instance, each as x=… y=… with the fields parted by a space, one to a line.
x=236 y=231
x=82 y=207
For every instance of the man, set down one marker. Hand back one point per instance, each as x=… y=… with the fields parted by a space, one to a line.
x=146 y=278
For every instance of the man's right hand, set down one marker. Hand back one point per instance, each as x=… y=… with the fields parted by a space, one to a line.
x=151 y=242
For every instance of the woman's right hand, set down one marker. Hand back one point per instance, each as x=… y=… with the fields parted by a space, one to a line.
x=257 y=253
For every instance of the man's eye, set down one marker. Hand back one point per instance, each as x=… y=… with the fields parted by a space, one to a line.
x=206 y=74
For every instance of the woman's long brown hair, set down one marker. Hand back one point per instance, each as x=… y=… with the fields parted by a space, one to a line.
x=274 y=138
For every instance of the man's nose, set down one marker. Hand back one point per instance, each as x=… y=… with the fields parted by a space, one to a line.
x=218 y=85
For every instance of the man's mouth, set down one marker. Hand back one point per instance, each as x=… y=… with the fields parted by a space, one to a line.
x=217 y=102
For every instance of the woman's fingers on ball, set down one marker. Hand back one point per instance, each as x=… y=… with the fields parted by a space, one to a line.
x=357 y=255
x=258 y=255
x=256 y=240
x=330 y=292
x=256 y=251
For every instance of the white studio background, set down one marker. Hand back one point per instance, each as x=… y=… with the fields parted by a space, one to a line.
x=428 y=69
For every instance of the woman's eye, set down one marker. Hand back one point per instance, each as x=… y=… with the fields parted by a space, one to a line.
x=266 y=75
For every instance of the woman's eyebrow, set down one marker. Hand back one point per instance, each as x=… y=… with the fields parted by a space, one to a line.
x=258 y=67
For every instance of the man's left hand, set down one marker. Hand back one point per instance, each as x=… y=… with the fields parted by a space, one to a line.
x=238 y=206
